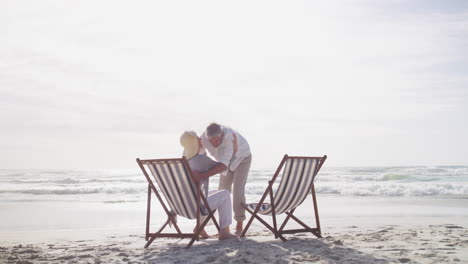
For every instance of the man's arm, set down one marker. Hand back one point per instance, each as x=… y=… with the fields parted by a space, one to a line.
x=199 y=176
x=235 y=146
x=226 y=149
x=218 y=168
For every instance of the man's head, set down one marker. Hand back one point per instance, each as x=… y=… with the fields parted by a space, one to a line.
x=214 y=133
x=191 y=143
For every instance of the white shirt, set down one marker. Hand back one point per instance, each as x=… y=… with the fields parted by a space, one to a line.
x=224 y=153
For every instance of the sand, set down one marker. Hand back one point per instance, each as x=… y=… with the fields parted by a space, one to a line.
x=360 y=230
x=441 y=243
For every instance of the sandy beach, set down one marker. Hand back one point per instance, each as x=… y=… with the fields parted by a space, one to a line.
x=77 y=221
x=354 y=230
x=442 y=243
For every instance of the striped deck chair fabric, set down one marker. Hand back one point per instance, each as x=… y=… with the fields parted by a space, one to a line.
x=182 y=196
x=177 y=187
x=296 y=182
x=297 y=175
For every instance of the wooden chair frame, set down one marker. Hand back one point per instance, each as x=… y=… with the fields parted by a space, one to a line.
x=151 y=236
x=278 y=232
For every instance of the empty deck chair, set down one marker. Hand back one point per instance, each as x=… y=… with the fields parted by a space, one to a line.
x=182 y=195
x=297 y=179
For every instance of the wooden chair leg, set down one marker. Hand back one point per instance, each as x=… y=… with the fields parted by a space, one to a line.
x=148 y=213
x=197 y=232
x=215 y=221
x=273 y=214
x=248 y=223
x=210 y=213
x=314 y=231
x=317 y=218
x=191 y=242
x=264 y=223
x=149 y=242
x=162 y=227
x=286 y=220
x=277 y=235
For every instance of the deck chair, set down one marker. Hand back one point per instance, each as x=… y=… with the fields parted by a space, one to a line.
x=297 y=179
x=182 y=195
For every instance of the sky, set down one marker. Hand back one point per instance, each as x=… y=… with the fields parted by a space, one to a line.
x=96 y=84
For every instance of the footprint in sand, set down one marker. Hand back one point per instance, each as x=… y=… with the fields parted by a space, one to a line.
x=85 y=256
x=453 y=226
x=28 y=251
x=24 y=262
x=404 y=260
x=86 y=249
x=113 y=249
x=65 y=258
x=338 y=242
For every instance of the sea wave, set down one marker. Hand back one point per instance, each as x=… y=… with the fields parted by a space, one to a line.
x=72 y=181
x=75 y=191
x=130 y=185
x=415 y=189
x=436 y=189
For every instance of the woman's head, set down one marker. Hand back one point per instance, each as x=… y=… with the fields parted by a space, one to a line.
x=191 y=143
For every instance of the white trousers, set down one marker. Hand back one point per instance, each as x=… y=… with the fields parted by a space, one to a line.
x=221 y=200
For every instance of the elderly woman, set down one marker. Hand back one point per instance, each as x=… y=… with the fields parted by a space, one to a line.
x=200 y=164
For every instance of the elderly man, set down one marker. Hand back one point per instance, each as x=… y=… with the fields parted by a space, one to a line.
x=232 y=152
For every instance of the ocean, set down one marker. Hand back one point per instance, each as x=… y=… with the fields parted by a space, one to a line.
x=94 y=201
x=127 y=186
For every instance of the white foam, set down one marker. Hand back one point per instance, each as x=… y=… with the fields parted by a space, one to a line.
x=131 y=185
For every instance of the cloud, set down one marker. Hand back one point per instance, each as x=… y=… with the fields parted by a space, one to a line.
x=276 y=71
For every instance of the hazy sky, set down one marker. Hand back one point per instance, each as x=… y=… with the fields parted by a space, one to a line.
x=96 y=84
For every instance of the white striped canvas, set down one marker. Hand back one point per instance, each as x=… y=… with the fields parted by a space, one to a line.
x=176 y=185
x=296 y=181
